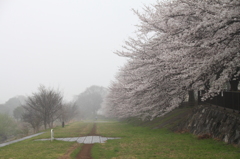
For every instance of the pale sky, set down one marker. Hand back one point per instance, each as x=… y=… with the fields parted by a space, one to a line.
x=65 y=44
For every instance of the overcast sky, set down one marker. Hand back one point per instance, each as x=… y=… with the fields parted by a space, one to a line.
x=65 y=44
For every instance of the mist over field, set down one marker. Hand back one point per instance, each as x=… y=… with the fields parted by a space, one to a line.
x=62 y=44
x=63 y=61
x=61 y=52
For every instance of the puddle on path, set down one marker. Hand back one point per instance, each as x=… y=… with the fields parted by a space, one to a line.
x=85 y=139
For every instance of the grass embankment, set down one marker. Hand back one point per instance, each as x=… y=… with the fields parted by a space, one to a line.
x=137 y=142
x=30 y=149
x=168 y=121
x=146 y=143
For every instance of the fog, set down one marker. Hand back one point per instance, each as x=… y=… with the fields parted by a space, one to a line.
x=65 y=44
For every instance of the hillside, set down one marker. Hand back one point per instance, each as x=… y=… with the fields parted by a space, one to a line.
x=205 y=121
x=170 y=121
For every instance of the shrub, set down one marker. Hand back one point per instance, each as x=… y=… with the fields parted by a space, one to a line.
x=8 y=127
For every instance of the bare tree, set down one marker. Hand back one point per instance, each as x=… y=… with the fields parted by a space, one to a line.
x=33 y=118
x=18 y=112
x=68 y=112
x=45 y=104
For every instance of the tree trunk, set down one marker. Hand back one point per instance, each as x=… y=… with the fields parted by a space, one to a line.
x=50 y=124
x=45 y=125
x=191 y=99
x=234 y=85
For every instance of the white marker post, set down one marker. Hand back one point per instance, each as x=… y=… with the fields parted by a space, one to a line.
x=52 y=135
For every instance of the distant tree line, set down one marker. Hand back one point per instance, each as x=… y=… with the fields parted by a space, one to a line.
x=180 y=46
x=44 y=108
x=11 y=104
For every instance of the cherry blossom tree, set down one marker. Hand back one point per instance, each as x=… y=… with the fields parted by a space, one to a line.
x=180 y=45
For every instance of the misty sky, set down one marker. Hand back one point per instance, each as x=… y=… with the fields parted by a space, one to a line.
x=65 y=44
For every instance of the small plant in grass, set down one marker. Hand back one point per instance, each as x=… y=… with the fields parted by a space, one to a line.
x=204 y=136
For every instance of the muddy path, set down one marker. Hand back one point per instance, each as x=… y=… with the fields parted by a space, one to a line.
x=85 y=152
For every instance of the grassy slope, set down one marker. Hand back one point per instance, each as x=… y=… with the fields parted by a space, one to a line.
x=169 y=121
x=139 y=142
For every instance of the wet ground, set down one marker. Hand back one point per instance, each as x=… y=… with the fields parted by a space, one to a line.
x=27 y=137
x=84 y=140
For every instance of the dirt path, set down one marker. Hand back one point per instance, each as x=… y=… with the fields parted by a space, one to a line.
x=85 y=152
x=67 y=155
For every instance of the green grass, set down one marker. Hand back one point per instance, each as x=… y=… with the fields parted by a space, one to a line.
x=72 y=130
x=30 y=149
x=136 y=143
x=145 y=143
x=34 y=149
x=169 y=120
